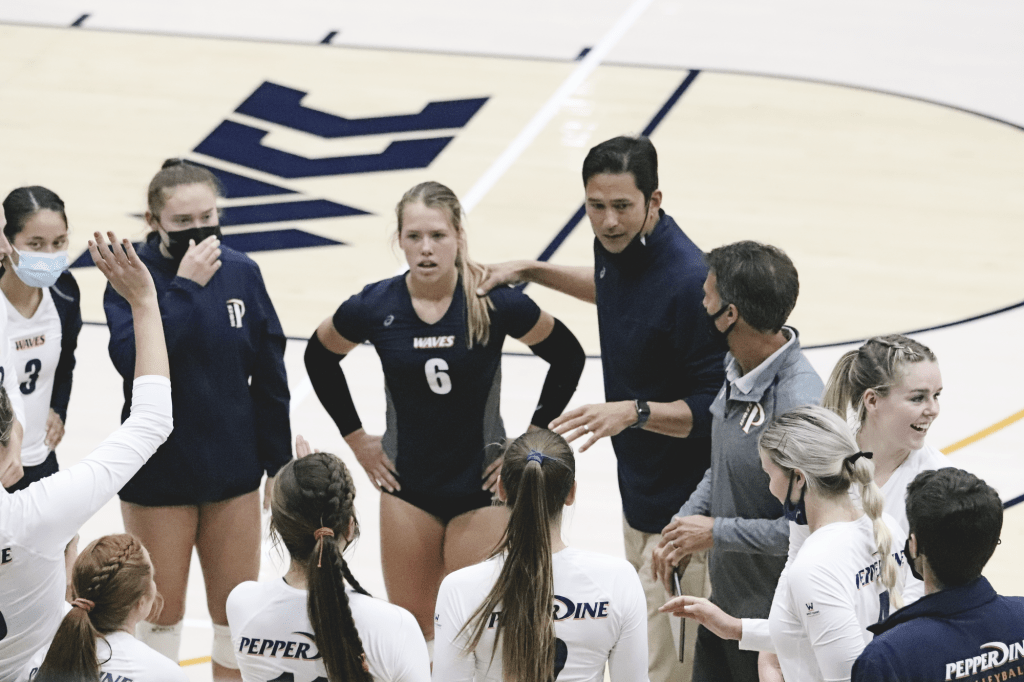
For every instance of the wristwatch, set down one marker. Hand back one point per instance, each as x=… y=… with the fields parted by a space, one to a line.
x=643 y=413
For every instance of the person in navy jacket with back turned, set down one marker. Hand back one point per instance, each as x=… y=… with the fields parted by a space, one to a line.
x=961 y=629
x=230 y=394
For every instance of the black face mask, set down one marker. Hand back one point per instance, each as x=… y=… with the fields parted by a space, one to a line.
x=177 y=242
x=795 y=511
x=714 y=329
x=906 y=555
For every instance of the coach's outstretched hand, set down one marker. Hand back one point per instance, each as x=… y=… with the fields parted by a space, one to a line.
x=499 y=274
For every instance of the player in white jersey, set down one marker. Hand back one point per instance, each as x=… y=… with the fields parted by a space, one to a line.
x=44 y=316
x=537 y=609
x=37 y=523
x=308 y=627
x=113 y=589
x=848 y=573
x=11 y=470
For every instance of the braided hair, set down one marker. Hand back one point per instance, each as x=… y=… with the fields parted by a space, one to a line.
x=110 y=577
x=876 y=365
x=312 y=509
x=819 y=443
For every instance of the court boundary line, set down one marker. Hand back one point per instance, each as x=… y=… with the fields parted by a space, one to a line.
x=532 y=58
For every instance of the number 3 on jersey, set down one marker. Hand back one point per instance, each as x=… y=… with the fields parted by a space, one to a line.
x=437 y=378
x=32 y=368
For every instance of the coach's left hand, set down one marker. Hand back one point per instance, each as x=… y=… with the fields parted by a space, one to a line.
x=597 y=421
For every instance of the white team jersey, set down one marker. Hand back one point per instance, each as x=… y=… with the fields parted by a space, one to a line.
x=122 y=658
x=273 y=639
x=35 y=351
x=37 y=523
x=828 y=597
x=8 y=370
x=895 y=493
x=600 y=617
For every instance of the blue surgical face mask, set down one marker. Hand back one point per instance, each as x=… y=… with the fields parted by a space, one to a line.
x=38 y=269
x=795 y=512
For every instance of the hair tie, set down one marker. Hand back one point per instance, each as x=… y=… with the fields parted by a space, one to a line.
x=537 y=457
x=84 y=604
x=852 y=459
x=320 y=534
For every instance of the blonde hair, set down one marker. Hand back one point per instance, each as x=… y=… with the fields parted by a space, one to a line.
x=877 y=365
x=435 y=195
x=819 y=443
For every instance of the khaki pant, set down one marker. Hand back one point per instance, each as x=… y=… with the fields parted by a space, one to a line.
x=663 y=661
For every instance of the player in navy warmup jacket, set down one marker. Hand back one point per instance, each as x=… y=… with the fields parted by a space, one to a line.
x=440 y=347
x=230 y=394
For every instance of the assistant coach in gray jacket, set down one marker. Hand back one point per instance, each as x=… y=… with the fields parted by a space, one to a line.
x=750 y=290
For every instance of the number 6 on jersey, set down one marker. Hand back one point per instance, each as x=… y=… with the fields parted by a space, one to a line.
x=438 y=380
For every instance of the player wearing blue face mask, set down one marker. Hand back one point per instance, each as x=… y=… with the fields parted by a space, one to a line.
x=42 y=307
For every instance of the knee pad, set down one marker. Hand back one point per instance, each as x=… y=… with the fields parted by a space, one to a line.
x=223 y=653
x=165 y=639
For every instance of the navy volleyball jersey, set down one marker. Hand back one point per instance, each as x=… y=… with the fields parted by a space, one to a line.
x=442 y=397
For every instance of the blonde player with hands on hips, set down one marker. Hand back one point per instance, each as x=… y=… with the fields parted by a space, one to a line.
x=495 y=620
x=42 y=306
x=11 y=469
x=848 y=573
x=112 y=590
x=37 y=523
x=307 y=626
x=440 y=348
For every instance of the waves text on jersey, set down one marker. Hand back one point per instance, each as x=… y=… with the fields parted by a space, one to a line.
x=433 y=342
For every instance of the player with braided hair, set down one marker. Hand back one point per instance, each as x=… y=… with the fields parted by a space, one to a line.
x=113 y=589
x=37 y=523
x=845 y=576
x=891 y=387
x=308 y=625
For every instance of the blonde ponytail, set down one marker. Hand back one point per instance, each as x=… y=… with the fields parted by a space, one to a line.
x=862 y=471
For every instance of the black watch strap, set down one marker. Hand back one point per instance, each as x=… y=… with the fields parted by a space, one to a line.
x=643 y=413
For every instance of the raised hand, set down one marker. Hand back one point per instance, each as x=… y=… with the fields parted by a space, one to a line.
x=123 y=268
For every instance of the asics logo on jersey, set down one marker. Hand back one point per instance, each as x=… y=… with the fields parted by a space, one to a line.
x=277 y=648
x=388 y=320
x=236 y=311
x=433 y=342
x=1000 y=655
x=754 y=416
x=31 y=342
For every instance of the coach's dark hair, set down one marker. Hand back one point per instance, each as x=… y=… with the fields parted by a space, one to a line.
x=536 y=492
x=875 y=366
x=24 y=202
x=174 y=173
x=759 y=279
x=956 y=518
x=112 y=574
x=310 y=493
x=634 y=155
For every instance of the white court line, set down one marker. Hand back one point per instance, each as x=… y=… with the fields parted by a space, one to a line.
x=551 y=107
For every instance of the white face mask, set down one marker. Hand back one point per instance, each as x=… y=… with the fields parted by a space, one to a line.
x=40 y=269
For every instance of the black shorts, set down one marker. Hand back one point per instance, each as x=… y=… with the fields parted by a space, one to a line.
x=445 y=507
x=37 y=472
